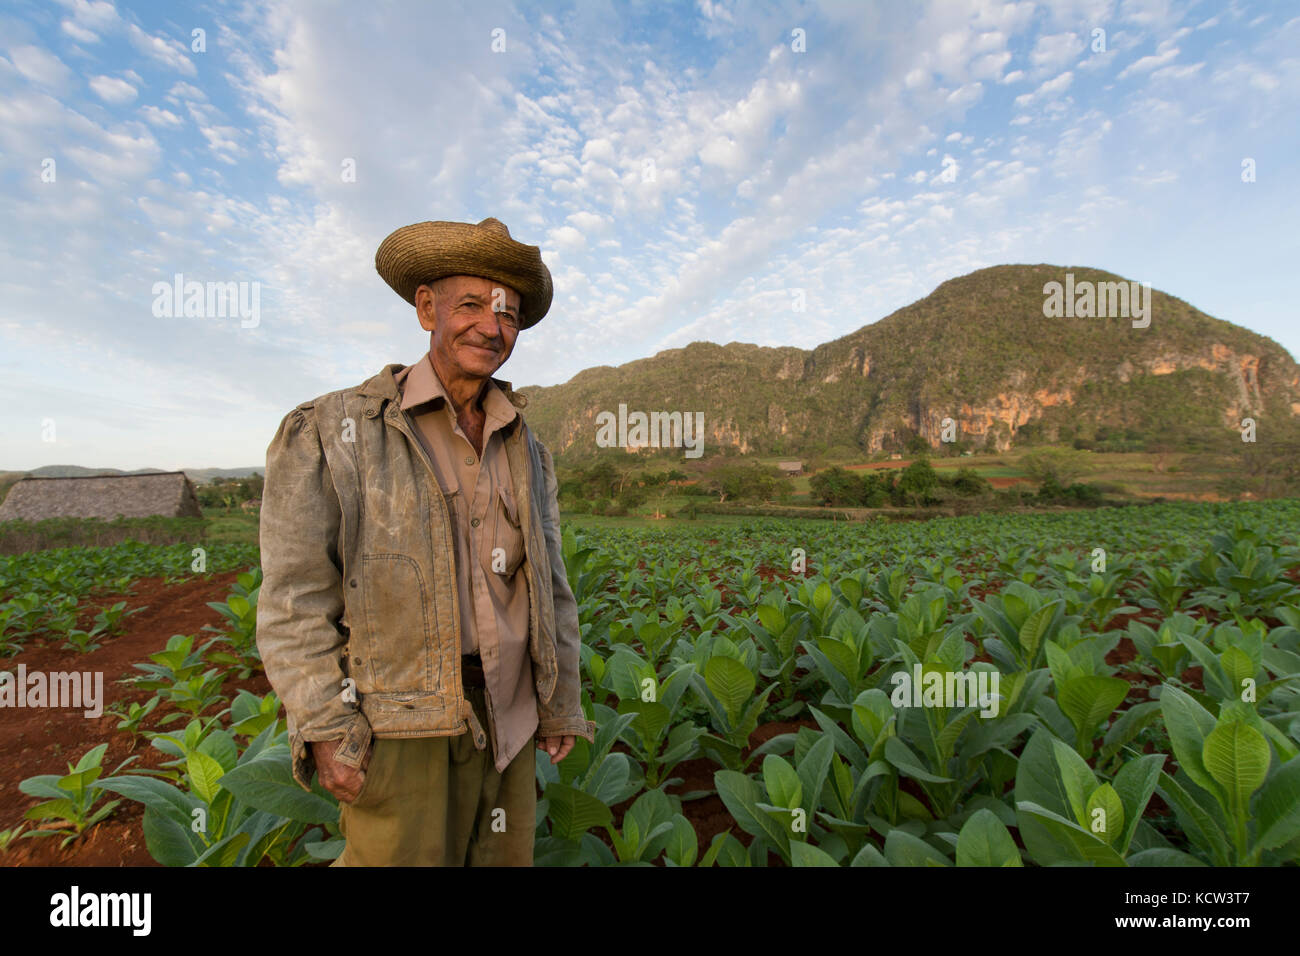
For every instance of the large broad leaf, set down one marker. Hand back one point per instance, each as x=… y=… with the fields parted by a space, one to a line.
x=813 y=770
x=1188 y=724
x=224 y=852
x=651 y=719
x=155 y=794
x=985 y=841
x=1032 y=631
x=266 y=783
x=1236 y=755
x=169 y=842
x=731 y=682
x=573 y=812
x=903 y=849
x=1201 y=828
x=1135 y=783
x=901 y=757
x=1278 y=811
x=683 y=845
x=805 y=854
x=1105 y=815
x=740 y=795
x=1163 y=856
x=784 y=788
x=1038 y=781
x=204 y=772
x=1084 y=846
x=1087 y=701
x=869 y=856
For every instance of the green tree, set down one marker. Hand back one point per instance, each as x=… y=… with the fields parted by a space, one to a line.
x=1059 y=465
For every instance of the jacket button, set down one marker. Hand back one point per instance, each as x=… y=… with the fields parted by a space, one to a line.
x=473 y=522
x=371 y=412
x=356 y=660
x=352 y=583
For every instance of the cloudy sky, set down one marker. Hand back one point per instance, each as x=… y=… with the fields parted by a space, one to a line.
x=684 y=167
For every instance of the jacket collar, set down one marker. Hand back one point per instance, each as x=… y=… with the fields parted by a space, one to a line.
x=384 y=385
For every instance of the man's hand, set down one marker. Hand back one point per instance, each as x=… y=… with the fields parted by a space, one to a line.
x=339 y=779
x=557 y=747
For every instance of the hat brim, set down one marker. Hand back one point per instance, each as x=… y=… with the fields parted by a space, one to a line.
x=424 y=252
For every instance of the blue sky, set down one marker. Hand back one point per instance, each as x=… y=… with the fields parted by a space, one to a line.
x=682 y=166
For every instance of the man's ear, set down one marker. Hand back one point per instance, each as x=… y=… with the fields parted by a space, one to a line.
x=426 y=306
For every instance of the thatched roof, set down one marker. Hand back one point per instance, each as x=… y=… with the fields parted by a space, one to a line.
x=790 y=465
x=167 y=493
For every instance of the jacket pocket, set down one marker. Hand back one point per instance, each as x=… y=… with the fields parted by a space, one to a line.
x=506 y=547
x=399 y=655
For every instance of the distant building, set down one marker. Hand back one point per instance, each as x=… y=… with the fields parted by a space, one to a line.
x=790 y=468
x=252 y=504
x=167 y=493
x=895 y=456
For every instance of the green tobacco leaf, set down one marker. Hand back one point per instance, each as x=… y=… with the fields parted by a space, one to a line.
x=1032 y=631
x=573 y=812
x=1135 y=783
x=805 y=854
x=1087 y=701
x=1201 y=828
x=985 y=841
x=1105 y=814
x=772 y=619
x=903 y=849
x=740 y=795
x=1279 y=807
x=1236 y=755
x=266 y=783
x=204 y=772
x=1188 y=724
x=1077 y=779
x=1085 y=847
x=731 y=682
x=784 y=788
x=901 y=757
x=1237 y=668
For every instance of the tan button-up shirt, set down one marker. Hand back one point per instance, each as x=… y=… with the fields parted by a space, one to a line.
x=493 y=596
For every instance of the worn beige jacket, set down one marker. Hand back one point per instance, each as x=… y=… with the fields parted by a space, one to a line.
x=358 y=617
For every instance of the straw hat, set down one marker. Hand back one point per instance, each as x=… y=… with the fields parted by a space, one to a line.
x=418 y=254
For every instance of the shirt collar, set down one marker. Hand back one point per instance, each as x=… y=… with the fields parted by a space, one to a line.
x=419 y=383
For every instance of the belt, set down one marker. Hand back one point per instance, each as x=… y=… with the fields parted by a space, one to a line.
x=471 y=671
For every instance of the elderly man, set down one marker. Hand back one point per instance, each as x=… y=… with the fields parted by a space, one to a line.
x=415 y=616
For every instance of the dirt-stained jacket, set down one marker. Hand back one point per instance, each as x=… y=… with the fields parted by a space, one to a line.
x=357 y=618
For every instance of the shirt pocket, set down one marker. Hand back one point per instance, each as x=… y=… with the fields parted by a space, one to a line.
x=506 y=547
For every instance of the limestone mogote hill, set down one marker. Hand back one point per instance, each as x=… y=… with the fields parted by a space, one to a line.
x=978 y=349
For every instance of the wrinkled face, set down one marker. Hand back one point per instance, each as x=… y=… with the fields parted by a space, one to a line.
x=474 y=322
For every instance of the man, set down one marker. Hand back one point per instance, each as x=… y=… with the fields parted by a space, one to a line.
x=415 y=616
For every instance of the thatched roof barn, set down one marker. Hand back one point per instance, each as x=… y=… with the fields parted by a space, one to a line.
x=167 y=493
x=790 y=467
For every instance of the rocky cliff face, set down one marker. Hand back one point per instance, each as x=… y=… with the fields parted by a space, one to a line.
x=978 y=350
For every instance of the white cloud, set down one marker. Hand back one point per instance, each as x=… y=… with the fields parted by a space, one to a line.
x=112 y=90
x=41 y=67
x=167 y=52
x=160 y=117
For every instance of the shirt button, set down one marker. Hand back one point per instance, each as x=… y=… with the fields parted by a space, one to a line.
x=474 y=522
x=469 y=459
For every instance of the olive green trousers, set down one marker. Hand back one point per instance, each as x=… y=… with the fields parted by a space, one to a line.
x=436 y=801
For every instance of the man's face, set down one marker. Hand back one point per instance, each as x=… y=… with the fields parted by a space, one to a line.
x=470 y=318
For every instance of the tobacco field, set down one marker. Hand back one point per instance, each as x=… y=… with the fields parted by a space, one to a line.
x=1145 y=666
